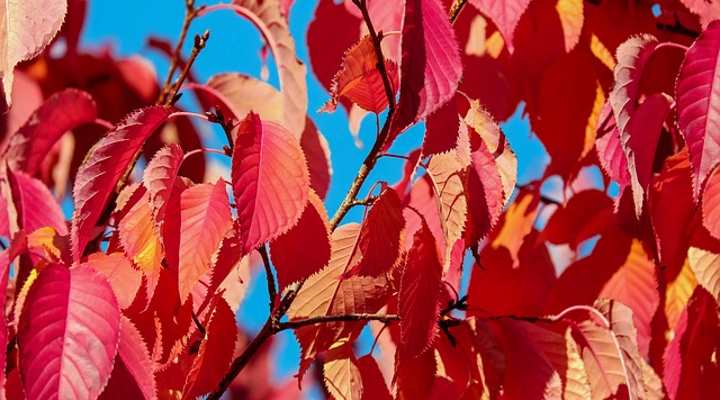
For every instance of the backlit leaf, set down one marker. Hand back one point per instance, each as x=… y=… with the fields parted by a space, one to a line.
x=104 y=165
x=68 y=334
x=270 y=181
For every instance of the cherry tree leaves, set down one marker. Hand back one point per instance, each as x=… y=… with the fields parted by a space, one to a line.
x=698 y=103
x=71 y=319
x=60 y=113
x=105 y=164
x=27 y=27
x=419 y=294
x=359 y=80
x=430 y=64
x=270 y=181
x=505 y=13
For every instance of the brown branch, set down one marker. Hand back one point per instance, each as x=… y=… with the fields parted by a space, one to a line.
x=455 y=9
x=372 y=156
x=337 y=318
x=271 y=288
x=272 y=325
x=190 y=14
x=199 y=44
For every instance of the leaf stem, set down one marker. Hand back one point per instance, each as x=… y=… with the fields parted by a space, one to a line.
x=272 y=290
x=386 y=318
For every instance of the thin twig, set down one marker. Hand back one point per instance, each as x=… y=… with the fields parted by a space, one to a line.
x=372 y=156
x=198 y=45
x=190 y=14
x=337 y=318
x=455 y=9
x=272 y=290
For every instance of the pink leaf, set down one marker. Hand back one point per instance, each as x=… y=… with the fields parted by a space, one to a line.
x=27 y=26
x=267 y=17
x=104 y=165
x=609 y=150
x=159 y=179
x=62 y=112
x=430 y=67
x=419 y=295
x=204 y=220
x=270 y=181
x=68 y=334
x=34 y=204
x=118 y=270
x=291 y=255
x=505 y=14
x=698 y=103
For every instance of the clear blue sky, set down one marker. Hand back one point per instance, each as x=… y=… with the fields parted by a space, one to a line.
x=234 y=46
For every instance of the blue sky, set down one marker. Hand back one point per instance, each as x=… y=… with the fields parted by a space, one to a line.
x=234 y=46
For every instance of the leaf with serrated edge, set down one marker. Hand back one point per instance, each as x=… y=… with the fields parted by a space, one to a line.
x=270 y=181
x=27 y=26
x=293 y=258
x=68 y=334
x=204 y=220
x=105 y=163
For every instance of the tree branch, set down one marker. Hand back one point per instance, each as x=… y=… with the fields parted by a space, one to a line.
x=200 y=42
x=372 y=156
x=190 y=14
x=336 y=318
x=272 y=291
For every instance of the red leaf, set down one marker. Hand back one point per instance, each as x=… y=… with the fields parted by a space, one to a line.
x=373 y=383
x=505 y=13
x=204 y=221
x=688 y=357
x=34 y=205
x=317 y=154
x=697 y=104
x=419 y=295
x=327 y=55
x=524 y=346
x=643 y=130
x=132 y=376
x=62 y=112
x=270 y=181
x=104 y=165
x=585 y=215
x=213 y=359
x=294 y=259
x=68 y=334
x=379 y=241
x=430 y=67
x=28 y=26
x=670 y=204
x=441 y=129
x=359 y=79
